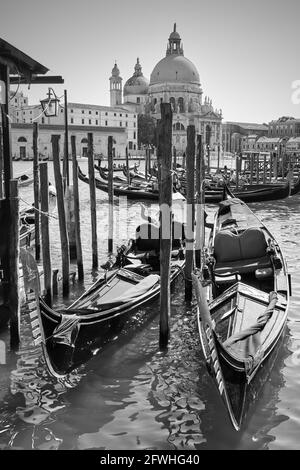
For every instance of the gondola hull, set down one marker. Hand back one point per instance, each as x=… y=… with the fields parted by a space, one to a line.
x=110 y=307
x=129 y=192
x=242 y=307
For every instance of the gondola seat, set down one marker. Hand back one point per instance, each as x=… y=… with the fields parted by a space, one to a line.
x=240 y=253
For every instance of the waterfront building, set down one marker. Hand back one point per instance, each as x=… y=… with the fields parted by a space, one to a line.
x=102 y=121
x=285 y=126
x=237 y=135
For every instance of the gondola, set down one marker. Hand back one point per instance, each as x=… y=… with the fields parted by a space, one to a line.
x=71 y=336
x=269 y=193
x=129 y=191
x=25 y=180
x=242 y=291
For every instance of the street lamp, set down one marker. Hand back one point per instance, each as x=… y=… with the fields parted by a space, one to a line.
x=50 y=104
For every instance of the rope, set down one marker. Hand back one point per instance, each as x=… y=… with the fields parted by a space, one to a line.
x=38 y=210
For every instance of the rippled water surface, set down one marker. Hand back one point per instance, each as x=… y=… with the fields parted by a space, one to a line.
x=131 y=395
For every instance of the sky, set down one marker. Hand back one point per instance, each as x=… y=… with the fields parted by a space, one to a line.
x=246 y=52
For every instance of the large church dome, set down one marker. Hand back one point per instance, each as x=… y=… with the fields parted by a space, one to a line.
x=174 y=67
x=137 y=84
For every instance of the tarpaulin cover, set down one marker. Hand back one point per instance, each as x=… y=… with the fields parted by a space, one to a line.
x=246 y=343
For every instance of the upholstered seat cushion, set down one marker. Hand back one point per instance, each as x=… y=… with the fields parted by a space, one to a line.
x=244 y=252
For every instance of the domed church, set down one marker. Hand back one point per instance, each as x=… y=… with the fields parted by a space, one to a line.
x=174 y=79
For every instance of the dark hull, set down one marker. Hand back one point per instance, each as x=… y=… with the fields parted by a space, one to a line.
x=242 y=325
x=136 y=194
x=92 y=334
x=259 y=195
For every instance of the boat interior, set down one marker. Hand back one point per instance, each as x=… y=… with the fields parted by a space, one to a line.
x=242 y=250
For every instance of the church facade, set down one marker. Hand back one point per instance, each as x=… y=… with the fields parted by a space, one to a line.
x=176 y=80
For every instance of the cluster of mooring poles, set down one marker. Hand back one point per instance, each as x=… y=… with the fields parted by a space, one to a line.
x=195 y=194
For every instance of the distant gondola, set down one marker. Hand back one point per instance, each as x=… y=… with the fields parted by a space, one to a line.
x=70 y=336
x=25 y=180
x=129 y=191
x=246 y=281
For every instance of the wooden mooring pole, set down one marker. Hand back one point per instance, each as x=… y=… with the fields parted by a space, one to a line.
x=14 y=252
x=165 y=180
x=66 y=144
x=61 y=215
x=199 y=201
x=110 y=194
x=264 y=170
x=190 y=211
x=93 y=201
x=76 y=210
x=45 y=233
x=127 y=166
x=1 y=165
x=36 y=190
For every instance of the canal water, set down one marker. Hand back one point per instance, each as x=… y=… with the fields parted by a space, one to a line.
x=131 y=395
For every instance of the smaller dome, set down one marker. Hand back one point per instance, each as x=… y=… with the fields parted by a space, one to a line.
x=175 y=35
x=137 y=84
x=115 y=71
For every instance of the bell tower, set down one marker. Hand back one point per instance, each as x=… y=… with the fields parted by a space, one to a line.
x=115 y=87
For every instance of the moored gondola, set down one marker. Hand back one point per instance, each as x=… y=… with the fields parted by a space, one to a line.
x=130 y=192
x=252 y=195
x=243 y=296
x=71 y=336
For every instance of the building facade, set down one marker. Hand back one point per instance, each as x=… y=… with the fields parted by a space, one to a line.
x=234 y=133
x=285 y=126
x=176 y=80
x=82 y=118
x=22 y=140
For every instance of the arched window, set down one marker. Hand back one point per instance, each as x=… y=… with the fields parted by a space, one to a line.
x=84 y=140
x=173 y=104
x=181 y=105
x=207 y=134
x=22 y=139
x=178 y=126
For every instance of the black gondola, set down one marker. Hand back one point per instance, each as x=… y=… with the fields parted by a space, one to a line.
x=243 y=296
x=70 y=336
x=128 y=191
x=252 y=195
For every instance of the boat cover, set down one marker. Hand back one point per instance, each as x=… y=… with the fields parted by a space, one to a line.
x=133 y=292
x=245 y=344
